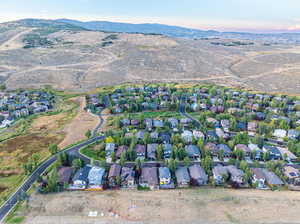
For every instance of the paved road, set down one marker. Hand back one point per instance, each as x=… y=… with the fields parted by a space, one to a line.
x=73 y=151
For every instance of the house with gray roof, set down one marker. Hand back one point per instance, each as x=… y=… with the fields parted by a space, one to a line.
x=128 y=177
x=182 y=177
x=193 y=152
x=236 y=175
x=272 y=179
x=259 y=177
x=151 y=151
x=165 y=179
x=198 y=175
x=220 y=174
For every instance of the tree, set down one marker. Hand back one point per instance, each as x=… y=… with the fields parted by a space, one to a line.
x=113 y=157
x=88 y=133
x=160 y=152
x=243 y=165
x=77 y=163
x=53 y=149
x=221 y=155
x=186 y=161
x=207 y=164
x=103 y=164
x=52 y=180
x=93 y=162
x=172 y=165
x=35 y=158
x=123 y=158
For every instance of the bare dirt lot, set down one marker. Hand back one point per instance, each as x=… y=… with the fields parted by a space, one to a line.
x=172 y=206
x=76 y=129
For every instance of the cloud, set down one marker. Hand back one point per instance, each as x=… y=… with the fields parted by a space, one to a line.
x=294 y=28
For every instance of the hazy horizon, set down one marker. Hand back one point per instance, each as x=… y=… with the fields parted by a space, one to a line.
x=258 y=16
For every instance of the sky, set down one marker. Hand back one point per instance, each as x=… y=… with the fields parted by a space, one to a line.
x=222 y=15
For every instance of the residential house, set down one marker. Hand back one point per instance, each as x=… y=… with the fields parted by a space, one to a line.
x=114 y=179
x=273 y=152
x=293 y=134
x=128 y=177
x=151 y=151
x=212 y=148
x=167 y=150
x=255 y=148
x=280 y=133
x=292 y=174
x=259 y=177
x=140 y=135
x=109 y=149
x=272 y=179
x=165 y=137
x=225 y=148
x=183 y=177
x=80 y=178
x=120 y=150
x=220 y=174
x=198 y=175
x=158 y=123
x=244 y=148
x=198 y=135
x=96 y=178
x=173 y=122
x=149 y=123
x=149 y=178
x=287 y=154
x=193 y=152
x=252 y=126
x=165 y=179
x=187 y=136
x=64 y=175
x=236 y=175
x=221 y=134
x=140 y=151
x=225 y=125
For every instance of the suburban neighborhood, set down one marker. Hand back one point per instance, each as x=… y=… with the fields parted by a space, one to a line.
x=162 y=137
x=21 y=104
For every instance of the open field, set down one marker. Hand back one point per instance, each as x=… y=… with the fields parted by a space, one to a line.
x=78 y=61
x=200 y=205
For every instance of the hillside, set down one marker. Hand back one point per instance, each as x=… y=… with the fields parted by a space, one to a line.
x=35 y=53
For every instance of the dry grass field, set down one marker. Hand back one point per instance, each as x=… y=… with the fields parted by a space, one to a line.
x=78 y=61
x=37 y=136
x=200 y=205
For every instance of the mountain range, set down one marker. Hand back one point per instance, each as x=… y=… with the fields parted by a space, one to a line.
x=177 y=31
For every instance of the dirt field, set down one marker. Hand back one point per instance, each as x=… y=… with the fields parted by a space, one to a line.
x=84 y=121
x=172 y=206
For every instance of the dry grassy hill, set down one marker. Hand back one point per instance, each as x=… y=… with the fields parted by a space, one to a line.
x=72 y=58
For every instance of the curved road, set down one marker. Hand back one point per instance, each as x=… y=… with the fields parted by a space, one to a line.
x=74 y=151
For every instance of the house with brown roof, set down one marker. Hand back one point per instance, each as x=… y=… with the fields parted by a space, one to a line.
x=149 y=178
x=120 y=150
x=140 y=151
x=64 y=175
x=114 y=175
